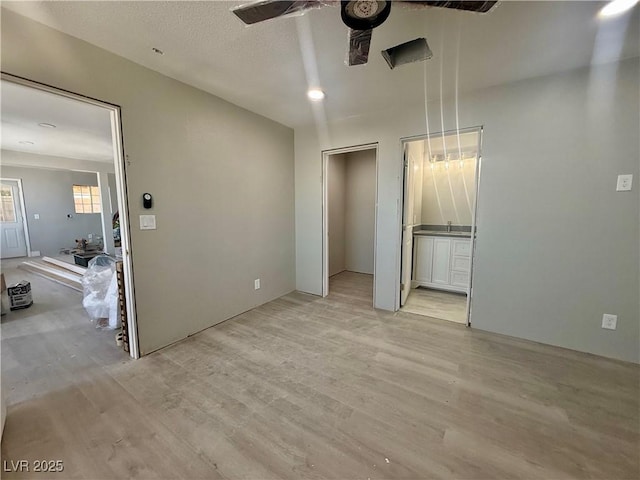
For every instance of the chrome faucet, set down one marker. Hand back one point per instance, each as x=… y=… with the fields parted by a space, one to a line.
x=449 y=226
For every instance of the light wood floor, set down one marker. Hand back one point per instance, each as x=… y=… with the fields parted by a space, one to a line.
x=305 y=387
x=437 y=304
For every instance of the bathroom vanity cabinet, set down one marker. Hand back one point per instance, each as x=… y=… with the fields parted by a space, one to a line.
x=442 y=262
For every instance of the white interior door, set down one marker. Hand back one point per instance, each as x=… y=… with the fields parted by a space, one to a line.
x=13 y=242
x=407 y=227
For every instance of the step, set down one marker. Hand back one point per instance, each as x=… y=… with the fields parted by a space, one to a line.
x=58 y=275
x=79 y=269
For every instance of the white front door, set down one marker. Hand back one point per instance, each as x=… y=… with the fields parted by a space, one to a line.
x=13 y=243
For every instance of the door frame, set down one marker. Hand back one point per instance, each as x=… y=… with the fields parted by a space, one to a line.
x=121 y=187
x=325 y=213
x=474 y=210
x=25 y=227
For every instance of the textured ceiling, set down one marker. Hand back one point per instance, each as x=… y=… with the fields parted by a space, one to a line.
x=82 y=131
x=267 y=67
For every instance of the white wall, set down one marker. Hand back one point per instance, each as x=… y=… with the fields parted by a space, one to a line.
x=221 y=176
x=360 y=211
x=448 y=193
x=336 y=193
x=557 y=247
x=49 y=193
x=113 y=193
x=52 y=162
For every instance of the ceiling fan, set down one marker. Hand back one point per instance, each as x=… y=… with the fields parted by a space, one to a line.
x=361 y=16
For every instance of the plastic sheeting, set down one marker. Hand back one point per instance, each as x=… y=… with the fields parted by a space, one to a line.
x=255 y=12
x=100 y=286
x=359 y=43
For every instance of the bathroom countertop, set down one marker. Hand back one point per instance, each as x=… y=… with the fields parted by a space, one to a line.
x=442 y=233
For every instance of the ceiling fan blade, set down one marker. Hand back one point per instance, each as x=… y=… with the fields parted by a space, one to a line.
x=471 y=6
x=255 y=12
x=359 y=43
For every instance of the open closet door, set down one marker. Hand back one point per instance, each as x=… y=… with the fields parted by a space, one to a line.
x=407 y=227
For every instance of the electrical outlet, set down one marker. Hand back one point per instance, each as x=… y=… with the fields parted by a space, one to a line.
x=256 y=284
x=609 y=321
x=624 y=183
x=36 y=216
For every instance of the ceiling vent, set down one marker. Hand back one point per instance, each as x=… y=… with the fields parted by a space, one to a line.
x=412 y=51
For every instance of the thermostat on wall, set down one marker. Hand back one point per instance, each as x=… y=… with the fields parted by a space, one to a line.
x=147 y=200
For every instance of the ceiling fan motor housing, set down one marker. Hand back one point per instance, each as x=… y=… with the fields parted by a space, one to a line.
x=364 y=14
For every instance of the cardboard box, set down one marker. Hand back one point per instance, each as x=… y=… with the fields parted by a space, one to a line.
x=20 y=295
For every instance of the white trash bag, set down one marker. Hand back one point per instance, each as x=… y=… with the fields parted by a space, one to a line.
x=100 y=287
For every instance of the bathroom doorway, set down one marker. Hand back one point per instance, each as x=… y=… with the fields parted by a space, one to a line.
x=441 y=177
x=349 y=221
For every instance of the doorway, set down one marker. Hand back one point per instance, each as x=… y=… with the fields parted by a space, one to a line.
x=349 y=220
x=441 y=178
x=70 y=147
x=13 y=227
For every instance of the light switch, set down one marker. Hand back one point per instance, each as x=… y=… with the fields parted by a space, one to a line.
x=36 y=216
x=147 y=222
x=624 y=183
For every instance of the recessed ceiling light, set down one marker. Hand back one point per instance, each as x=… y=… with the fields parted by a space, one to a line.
x=157 y=50
x=26 y=142
x=315 y=94
x=616 y=7
x=47 y=125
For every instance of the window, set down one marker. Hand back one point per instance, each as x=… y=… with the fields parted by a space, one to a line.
x=7 y=207
x=86 y=199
